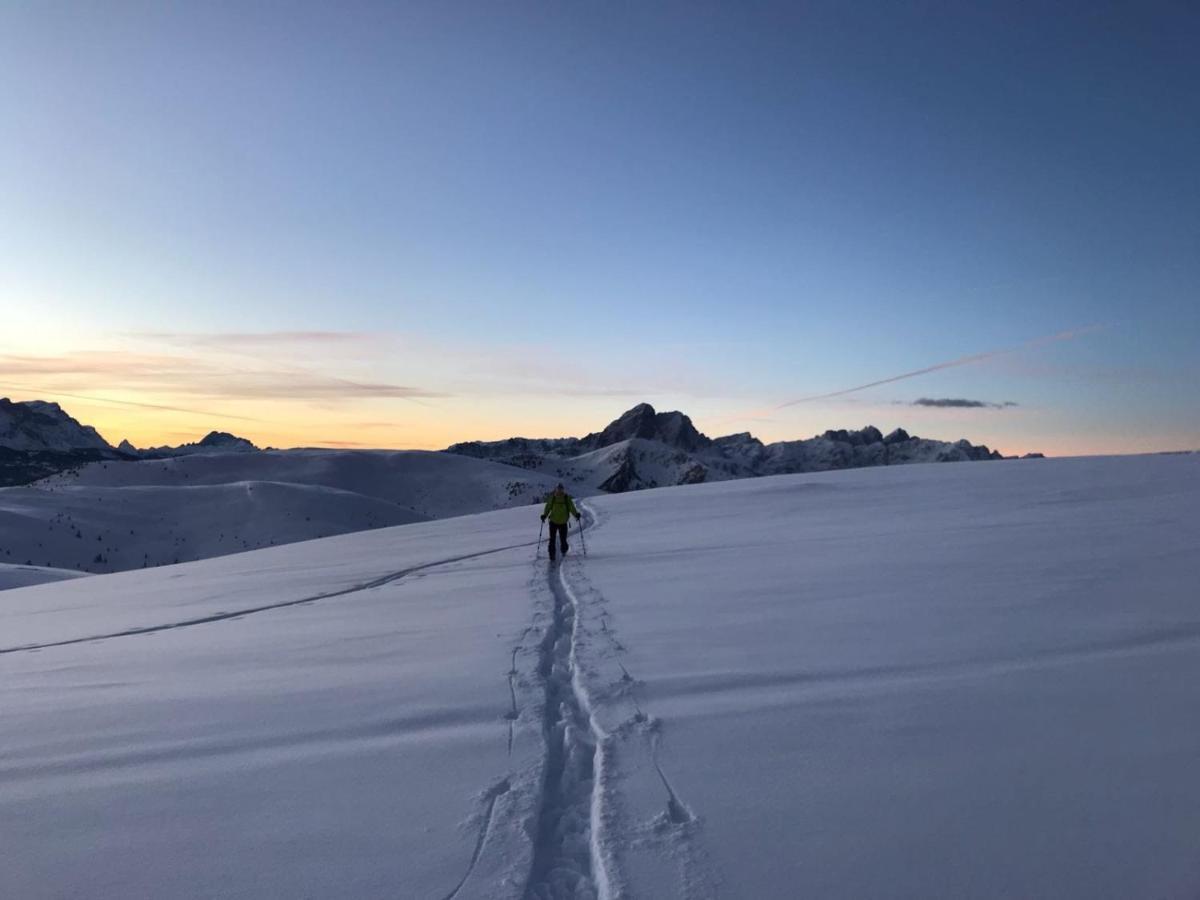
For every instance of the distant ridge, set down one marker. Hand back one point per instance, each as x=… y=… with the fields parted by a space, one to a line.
x=213 y=442
x=39 y=438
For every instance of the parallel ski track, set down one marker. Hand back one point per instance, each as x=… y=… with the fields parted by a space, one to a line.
x=572 y=789
x=266 y=607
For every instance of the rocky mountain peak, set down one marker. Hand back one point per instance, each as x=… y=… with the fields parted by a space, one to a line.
x=642 y=421
x=868 y=435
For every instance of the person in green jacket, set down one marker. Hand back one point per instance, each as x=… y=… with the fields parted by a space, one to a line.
x=559 y=508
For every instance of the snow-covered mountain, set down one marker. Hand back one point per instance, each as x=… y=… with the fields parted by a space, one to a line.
x=644 y=449
x=36 y=425
x=38 y=438
x=917 y=681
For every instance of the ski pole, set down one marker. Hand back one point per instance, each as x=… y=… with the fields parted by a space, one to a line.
x=537 y=554
x=579 y=528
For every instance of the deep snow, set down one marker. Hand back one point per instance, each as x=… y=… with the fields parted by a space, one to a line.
x=929 y=681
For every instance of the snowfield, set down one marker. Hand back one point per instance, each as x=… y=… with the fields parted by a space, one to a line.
x=977 y=680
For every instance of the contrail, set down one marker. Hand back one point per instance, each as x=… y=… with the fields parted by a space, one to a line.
x=951 y=364
x=197 y=412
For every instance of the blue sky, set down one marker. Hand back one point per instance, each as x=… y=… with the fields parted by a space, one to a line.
x=530 y=216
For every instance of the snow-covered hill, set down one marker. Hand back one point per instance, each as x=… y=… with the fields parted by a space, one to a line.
x=115 y=515
x=110 y=529
x=15 y=576
x=433 y=485
x=644 y=449
x=919 y=681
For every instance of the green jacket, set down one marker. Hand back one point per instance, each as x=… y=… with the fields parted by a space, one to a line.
x=560 y=508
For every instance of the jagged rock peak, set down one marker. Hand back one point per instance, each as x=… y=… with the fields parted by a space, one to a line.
x=868 y=435
x=671 y=428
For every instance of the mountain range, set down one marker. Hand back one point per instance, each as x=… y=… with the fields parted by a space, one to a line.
x=644 y=448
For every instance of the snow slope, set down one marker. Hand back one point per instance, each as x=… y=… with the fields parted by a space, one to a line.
x=15 y=576
x=323 y=747
x=116 y=515
x=431 y=484
x=921 y=681
x=110 y=529
x=955 y=681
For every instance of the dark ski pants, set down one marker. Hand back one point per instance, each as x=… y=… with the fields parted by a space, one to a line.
x=561 y=531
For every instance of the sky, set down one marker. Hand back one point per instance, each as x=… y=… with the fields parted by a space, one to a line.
x=408 y=224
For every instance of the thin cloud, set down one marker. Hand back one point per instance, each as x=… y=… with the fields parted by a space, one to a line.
x=134 y=403
x=294 y=386
x=189 y=376
x=257 y=338
x=285 y=379
x=960 y=403
x=951 y=364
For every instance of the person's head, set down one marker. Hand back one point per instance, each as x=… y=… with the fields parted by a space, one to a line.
x=559 y=489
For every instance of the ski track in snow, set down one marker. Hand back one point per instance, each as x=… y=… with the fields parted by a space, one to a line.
x=578 y=830
x=267 y=607
x=675 y=832
x=566 y=863
x=489 y=814
x=514 y=713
